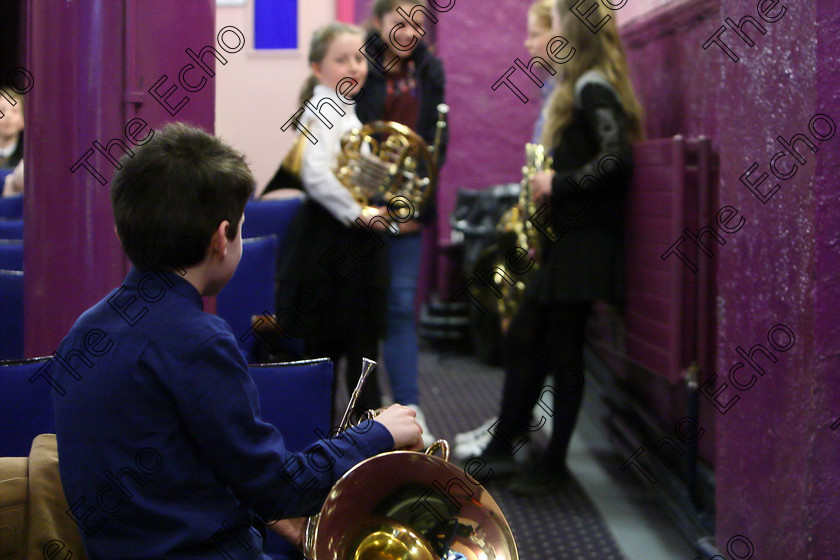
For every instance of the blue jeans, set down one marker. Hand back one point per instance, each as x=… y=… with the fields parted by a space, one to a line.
x=400 y=348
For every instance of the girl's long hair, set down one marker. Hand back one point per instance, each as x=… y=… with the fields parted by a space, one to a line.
x=601 y=51
x=321 y=41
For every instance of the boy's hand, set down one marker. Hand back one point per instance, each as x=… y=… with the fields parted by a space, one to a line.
x=399 y=420
x=292 y=530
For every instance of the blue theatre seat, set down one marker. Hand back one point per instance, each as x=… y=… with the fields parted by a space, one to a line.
x=25 y=408
x=11 y=318
x=11 y=206
x=251 y=290
x=267 y=217
x=297 y=398
x=11 y=229
x=11 y=254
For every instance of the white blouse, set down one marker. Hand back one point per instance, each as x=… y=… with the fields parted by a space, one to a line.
x=319 y=160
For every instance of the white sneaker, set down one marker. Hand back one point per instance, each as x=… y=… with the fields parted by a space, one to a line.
x=475 y=448
x=538 y=412
x=468 y=449
x=428 y=438
x=472 y=435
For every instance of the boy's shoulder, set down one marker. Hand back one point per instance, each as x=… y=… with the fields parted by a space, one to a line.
x=163 y=310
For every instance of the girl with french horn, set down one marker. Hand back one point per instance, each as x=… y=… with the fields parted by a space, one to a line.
x=333 y=273
x=590 y=120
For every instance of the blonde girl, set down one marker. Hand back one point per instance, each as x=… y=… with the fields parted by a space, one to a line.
x=333 y=277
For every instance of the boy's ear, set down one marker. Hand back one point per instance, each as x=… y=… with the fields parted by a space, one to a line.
x=220 y=241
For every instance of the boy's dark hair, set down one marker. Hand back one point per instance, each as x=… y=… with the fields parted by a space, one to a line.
x=170 y=197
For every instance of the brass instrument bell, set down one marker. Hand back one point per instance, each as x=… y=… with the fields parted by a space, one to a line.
x=412 y=506
x=405 y=505
x=386 y=159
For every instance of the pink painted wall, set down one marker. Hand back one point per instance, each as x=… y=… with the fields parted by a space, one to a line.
x=635 y=8
x=256 y=92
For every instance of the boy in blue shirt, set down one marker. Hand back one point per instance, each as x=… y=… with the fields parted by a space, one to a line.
x=162 y=450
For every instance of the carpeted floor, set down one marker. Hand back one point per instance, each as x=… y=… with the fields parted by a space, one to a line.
x=458 y=393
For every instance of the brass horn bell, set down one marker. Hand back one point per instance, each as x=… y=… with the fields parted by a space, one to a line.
x=404 y=505
x=384 y=159
x=410 y=506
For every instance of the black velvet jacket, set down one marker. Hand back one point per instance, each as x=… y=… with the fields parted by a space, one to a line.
x=583 y=256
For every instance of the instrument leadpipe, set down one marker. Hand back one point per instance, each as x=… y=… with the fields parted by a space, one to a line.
x=312 y=522
x=443 y=111
x=367 y=367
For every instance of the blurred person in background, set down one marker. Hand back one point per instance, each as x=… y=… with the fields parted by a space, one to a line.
x=408 y=93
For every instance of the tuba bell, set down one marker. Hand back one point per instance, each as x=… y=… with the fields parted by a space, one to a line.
x=405 y=505
x=385 y=159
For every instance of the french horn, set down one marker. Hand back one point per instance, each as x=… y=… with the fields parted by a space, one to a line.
x=406 y=505
x=385 y=159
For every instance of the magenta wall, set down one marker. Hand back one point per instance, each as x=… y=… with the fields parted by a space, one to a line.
x=91 y=78
x=777 y=474
x=478 y=42
x=823 y=480
x=776 y=466
x=778 y=479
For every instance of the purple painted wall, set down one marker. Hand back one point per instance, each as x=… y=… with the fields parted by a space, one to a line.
x=91 y=78
x=777 y=474
x=488 y=129
x=823 y=480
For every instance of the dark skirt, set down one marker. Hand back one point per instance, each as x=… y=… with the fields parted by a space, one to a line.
x=331 y=279
x=583 y=264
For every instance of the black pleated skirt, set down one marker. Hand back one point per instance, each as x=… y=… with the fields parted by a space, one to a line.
x=331 y=279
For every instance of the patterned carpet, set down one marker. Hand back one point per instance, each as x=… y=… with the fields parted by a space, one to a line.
x=458 y=393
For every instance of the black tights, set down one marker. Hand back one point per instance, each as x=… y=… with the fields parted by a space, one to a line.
x=543 y=339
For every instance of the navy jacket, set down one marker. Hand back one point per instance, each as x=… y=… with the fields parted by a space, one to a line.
x=162 y=450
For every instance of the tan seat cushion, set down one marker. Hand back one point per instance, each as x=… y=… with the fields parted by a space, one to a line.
x=51 y=531
x=14 y=493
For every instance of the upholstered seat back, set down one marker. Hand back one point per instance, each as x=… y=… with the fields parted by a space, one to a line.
x=33 y=519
